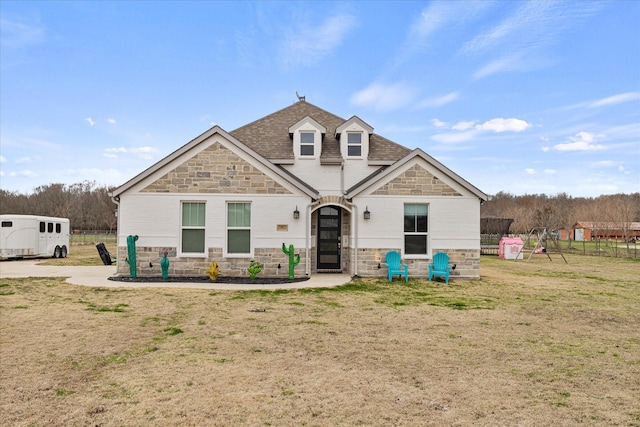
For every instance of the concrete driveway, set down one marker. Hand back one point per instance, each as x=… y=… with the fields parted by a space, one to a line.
x=97 y=276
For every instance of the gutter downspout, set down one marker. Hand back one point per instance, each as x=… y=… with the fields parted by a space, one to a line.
x=308 y=238
x=354 y=216
x=116 y=201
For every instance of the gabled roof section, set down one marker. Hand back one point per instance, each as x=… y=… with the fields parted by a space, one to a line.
x=307 y=119
x=354 y=119
x=384 y=172
x=269 y=136
x=248 y=151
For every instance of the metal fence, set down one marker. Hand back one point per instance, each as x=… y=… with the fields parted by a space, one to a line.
x=609 y=248
x=92 y=237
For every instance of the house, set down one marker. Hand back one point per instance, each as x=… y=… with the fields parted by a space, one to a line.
x=341 y=194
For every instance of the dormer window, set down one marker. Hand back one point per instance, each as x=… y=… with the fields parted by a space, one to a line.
x=306 y=136
x=307 y=143
x=354 y=144
x=354 y=136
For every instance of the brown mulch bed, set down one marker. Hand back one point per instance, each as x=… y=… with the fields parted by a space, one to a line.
x=220 y=279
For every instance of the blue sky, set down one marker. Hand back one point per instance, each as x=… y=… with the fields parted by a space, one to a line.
x=521 y=97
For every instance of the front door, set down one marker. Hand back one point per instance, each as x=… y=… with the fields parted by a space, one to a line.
x=329 y=226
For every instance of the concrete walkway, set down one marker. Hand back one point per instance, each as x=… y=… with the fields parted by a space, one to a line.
x=97 y=276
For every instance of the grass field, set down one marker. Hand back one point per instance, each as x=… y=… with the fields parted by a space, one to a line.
x=531 y=344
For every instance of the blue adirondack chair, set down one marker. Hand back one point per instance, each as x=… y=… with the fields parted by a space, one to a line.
x=440 y=266
x=395 y=267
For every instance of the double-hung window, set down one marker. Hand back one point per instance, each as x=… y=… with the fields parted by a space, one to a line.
x=192 y=239
x=416 y=232
x=307 y=143
x=354 y=144
x=239 y=228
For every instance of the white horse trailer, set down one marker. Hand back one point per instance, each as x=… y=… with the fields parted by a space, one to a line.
x=33 y=236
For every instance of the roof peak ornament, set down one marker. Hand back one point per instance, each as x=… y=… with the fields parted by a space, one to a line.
x=301 y=97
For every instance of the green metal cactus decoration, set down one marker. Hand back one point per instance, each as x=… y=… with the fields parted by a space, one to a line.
x=164 y=265
x=131 y=255
x=254 y=269
x=293 y=259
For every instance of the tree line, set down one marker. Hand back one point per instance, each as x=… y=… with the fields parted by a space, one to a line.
x=87 y=205
x=561 y=211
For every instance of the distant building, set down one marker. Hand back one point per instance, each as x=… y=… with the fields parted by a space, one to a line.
x=588 y=231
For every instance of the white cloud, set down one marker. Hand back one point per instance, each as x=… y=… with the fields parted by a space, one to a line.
x=530 y=171
x=550 y=171
x=3 y=159
x=467 y=130
x=504 y=125
x=113 y=152
x=439 y=101
x=88 y=174
x=17 y=35
x=395 y=128
x=604 y=163
x=311 y=43
x=455 y=137
x=23 y=173
x=90 y=121
x=384 y=97
x=433 y=20
x=430 y=20
x=439 y=123
x=519 y=39
x=463 y=125
x=611 y=164
x=583 y=141
x=146 y=153
x=616 y=99
x=111 y=121
x=23 y=160
x=441 y=15
x=500 y=65
x=546 y=149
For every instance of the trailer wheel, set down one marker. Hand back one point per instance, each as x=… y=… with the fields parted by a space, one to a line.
x=63 y=252
x=56 y=252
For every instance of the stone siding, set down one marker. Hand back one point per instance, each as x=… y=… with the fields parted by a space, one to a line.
x=148 y=263
x=416 y=181
x=467 y=263
x=216 y=170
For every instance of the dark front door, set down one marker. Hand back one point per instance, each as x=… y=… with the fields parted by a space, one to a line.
x=329 y=226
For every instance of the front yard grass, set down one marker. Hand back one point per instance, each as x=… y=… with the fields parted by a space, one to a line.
x=531 y=343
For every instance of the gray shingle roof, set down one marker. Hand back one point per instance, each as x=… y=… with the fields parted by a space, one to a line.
x=269 y=136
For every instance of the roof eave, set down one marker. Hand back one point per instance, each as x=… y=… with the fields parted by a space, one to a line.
x=358 y=188
x=194 y=142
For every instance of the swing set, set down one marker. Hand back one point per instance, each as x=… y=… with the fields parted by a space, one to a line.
x=542 y=235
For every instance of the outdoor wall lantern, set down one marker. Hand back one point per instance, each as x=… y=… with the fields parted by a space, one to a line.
x=367 y=214
x=296 y=213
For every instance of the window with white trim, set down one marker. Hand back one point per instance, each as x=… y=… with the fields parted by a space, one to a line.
x=193 y=227
x=307 y=143
x=416 y=229
x=354 y=144
x=238 y=228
